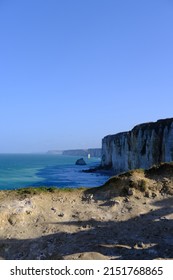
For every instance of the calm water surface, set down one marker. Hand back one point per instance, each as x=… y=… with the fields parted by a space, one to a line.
x=23 y=170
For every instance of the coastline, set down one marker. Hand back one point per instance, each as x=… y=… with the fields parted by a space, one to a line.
x=108 y=171
x=123 y=219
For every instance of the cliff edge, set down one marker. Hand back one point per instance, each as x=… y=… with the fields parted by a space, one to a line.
x=145 y=145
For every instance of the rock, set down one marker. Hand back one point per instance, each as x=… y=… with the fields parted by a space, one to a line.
x=110 y=203
x=13 y=219
x=146 y=144
x=61 y=214
x=165 y=181
x=126 y=199
x=153 y=195
x=28 y=212
x=88 y=198
x=53 y=209
x=80 y=161
x=139 y=245
x=87 y=256
x=130 y=191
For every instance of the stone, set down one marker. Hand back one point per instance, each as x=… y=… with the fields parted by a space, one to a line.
x=130 y=191
x=126 y=199
x=61 y=214
x=89 y=198
x=13 y=219
x=153 y=195
x=80 y=161
x=28 y=212
x=53 y=209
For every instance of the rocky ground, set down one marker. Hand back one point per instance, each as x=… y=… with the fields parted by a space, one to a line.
x=130 y=217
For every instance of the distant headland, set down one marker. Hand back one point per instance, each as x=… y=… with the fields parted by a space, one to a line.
x=93 y=152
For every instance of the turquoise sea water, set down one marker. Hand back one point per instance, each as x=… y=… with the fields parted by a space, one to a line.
x=23 y=170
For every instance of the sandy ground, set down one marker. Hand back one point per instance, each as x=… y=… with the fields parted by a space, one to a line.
x=124 y=219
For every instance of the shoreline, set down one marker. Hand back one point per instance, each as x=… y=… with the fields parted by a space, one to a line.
x=129 y=217
x=100 y=170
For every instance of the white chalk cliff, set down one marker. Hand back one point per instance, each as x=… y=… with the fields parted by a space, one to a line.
x=145 y=145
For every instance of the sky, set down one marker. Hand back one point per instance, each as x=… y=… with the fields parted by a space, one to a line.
x=74 y=71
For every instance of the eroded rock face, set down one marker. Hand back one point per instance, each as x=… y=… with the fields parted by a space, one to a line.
x=145 y=145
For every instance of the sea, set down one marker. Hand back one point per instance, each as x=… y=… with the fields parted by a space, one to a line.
x=48 y=170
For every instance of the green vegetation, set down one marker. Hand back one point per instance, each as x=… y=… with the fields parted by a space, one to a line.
x=139 y=170
x=39 y=190
x=33 y=190
x=142 y=185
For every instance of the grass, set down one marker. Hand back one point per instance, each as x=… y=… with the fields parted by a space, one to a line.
x=142 y=185
x=42 y=189
x=139 y=170
x=33 y=190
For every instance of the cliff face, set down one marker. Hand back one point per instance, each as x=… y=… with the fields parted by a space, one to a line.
x=145 y=145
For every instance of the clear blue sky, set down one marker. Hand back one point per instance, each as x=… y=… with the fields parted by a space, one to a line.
x=74 y=71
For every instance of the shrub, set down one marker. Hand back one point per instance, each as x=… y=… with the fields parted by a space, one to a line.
x=142 y=185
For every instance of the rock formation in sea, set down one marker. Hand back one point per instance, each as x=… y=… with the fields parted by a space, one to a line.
x=80 y=161
x=145 y=145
